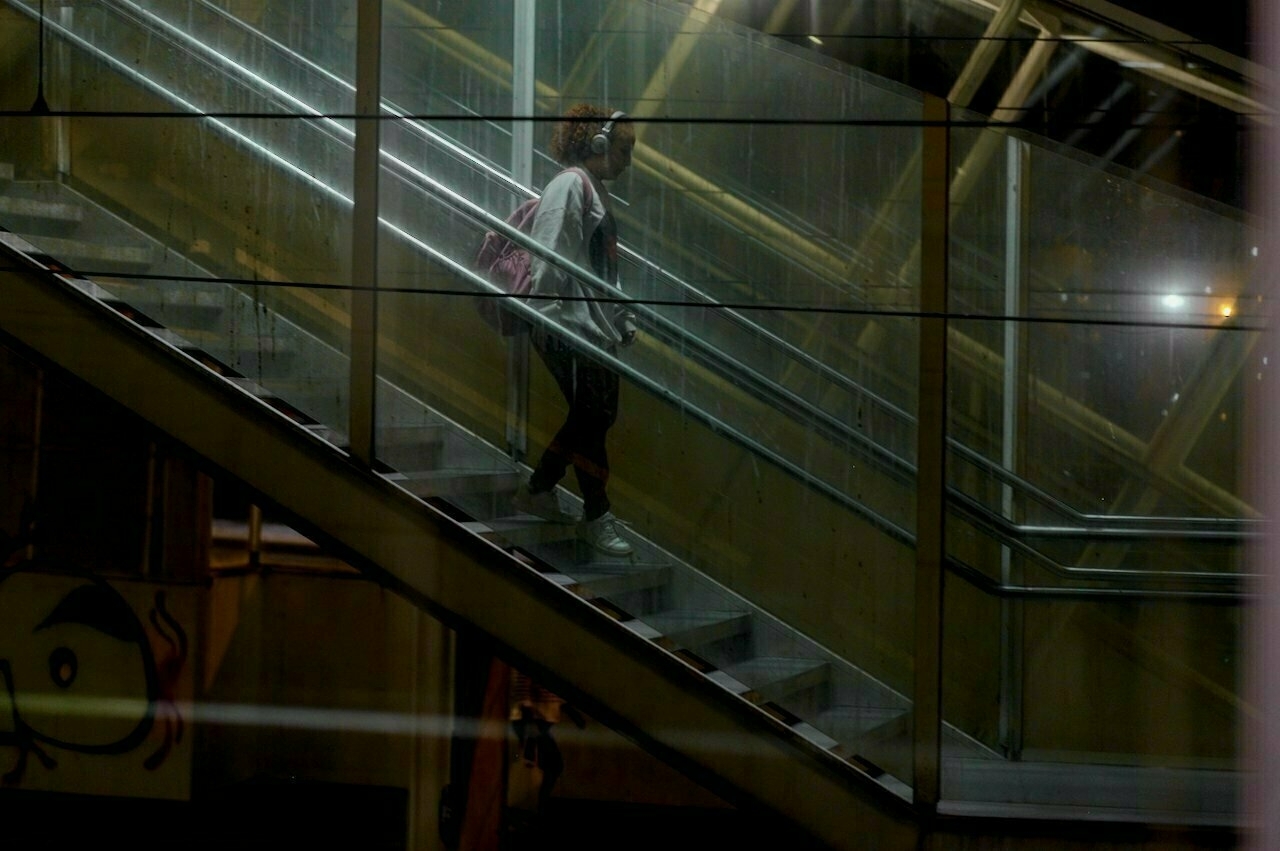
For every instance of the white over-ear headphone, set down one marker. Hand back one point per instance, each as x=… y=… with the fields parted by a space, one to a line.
x=600 y=141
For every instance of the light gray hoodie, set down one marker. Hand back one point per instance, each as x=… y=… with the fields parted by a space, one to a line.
x=562 y=225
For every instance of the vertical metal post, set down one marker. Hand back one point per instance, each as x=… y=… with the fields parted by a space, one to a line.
x=364 y=233
x=523 y=77
x=931 y=452
x=1010 y=722
x=523 y=72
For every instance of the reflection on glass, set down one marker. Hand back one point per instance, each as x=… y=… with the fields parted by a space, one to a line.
x=765 y=463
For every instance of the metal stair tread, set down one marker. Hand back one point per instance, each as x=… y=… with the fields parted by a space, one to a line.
x=101 y=258
x=61 y=214
x=590 y=584
x=783 y=672
x=849 y=722
x=525 y=530
x=690 y=628
x=568 y=547
x=455 y=481
x=157 y=299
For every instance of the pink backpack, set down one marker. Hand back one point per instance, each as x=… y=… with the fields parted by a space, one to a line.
x=509 y=266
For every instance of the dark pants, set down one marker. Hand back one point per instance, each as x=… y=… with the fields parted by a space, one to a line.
x=592 y=393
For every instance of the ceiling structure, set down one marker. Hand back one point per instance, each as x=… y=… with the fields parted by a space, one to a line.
x=1166 y=92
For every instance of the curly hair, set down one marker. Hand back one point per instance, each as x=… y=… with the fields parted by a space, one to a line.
x=571 y=139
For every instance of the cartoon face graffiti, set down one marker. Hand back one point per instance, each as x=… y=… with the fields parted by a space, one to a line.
x=77 y=670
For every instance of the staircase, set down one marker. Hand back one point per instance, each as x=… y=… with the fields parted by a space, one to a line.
x=453 y=492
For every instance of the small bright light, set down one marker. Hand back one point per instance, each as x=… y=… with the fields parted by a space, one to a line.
x=1254 y=251
x=815 y=39
x=1226 y=311
x=1173 y=301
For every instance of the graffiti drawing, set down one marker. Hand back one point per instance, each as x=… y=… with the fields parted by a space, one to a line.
x=78 y=672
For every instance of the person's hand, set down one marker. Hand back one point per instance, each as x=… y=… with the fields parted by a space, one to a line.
x=627 y=327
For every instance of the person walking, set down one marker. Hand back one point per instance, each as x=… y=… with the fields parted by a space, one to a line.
x=576 y=221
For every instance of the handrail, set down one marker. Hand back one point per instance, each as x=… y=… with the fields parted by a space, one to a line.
x=993 y=524
x=1000 y=527
x=1104 y=525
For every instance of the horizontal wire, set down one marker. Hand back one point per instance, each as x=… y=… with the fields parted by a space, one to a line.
x=653 y=302
x=1042 y=117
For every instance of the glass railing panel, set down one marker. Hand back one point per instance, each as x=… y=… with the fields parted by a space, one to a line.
x=439 y=59
x=851 y=444
x=1169 y=281
x=704 y=78
x=275 y=42
x=738 y=561
x=453 y=59
x=433 y=149
x=327 y=309
x=817 y=227
x=1139 y=312
x=1072 y=703
x=295 y=26
x=230 y=264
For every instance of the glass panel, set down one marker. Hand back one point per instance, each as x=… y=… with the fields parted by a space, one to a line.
x=1177 y=271
x=749 y=453
x=231 y=234
x=1098 y=540
x=764 y=452
x=1093 y=696
x=717 y=488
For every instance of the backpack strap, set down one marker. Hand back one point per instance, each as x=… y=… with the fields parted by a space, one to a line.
x=588 y=191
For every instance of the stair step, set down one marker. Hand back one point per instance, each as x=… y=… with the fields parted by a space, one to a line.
x=612 y=580
x=772 y=678
x=47 y=218
x=877 y=738
x=453 y=482
x=849 y=724
x=176 y=305
x=240 y=345
x=676 y=630
x=328 y=434
x=412 y=449
x=90 y=258
x=566 y=548
x=526 y=531
x=282 y=405
x=244 y=348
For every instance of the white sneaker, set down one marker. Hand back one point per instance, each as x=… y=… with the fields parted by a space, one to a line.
x=602 y=533
x=545 y=505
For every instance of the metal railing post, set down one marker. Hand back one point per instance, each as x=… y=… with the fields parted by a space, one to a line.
x=931 y=452
x=364 y=233
x=523 y=77
x=1012 y=401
